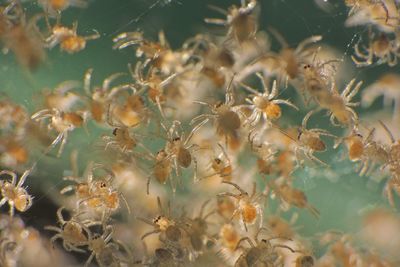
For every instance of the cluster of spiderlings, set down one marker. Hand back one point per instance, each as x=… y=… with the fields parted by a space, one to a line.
x=197 y=111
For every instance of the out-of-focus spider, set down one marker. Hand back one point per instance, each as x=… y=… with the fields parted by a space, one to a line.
x=226 y=119
x=221 y=166
x=247 y=206
x=383 y=14
x=340 y=106
x=62 y=97
x=197 y=228
x=55 y=7
x=229 y=237
x=67 y=38
x=264 y=104
x=98 y=195
x=100 y=97
x=107 y=252
x=260 y=252
x=309 y=141
x=154 y=84
x=292 y=196
x=242 y=21
x=164 y=224
x=62 y=123
x=388 y=86
x=72 y=232
x=13 y=193
x=380 y=50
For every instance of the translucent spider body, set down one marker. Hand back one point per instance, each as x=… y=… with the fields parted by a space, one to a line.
x=13 y=193
x=292 y=196
x=241 y=21
x=247 y=206
x=96 y=194
x=101 y=97
x=340 y=106
x=260 y=252
x=105 y=251
x=197 y=228
x=383 y=14
x=122 y=139
x=157 y=54
x=229 y=237
x=168 y=228
x=62 y=97
x=73 y=233
x=62 y=123
x=309 y=140
x=380 y=50
x=21 y=36
x=221 y=166
x=387 y=85
x=264 y=104
x=68 y=39
x=226 y=119
x=355 y=145
x=54 y=7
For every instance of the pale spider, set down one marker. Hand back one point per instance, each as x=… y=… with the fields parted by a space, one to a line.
x=340 y=106
x=72 y=232
x=67 y=38
x=105 y=251
x=62 y=123
x=308 y=140
x=260 y=253
x=247 y=206
x=242 y=21
x=168 y=228
x=264 y=104
x=380 y=50
x=13 y=193
x=225 y=116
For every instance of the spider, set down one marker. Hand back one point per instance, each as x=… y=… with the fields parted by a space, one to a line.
x=264 y=104
x=261 y=252
x=340 y=106
x=72 y=232
x=13 y=193
x=164 y=224
x=242 y=21
x=309 y=141
x=225 y=116
x=247 y=206
x=380 y=50
x=67 y=38
x=106 y=251
x=61 y=122
x=176 y=154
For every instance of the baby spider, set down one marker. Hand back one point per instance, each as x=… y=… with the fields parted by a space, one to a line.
x=67 y=38
x=247 y=206
x=197 y=228
x=100 y=97
x=380 y=50
x=340 y=106
x=72 y=232
x=221 y=166
x=62 y=123
x=309 y=141
x=226 y=119
x=55 y=7
x=176 y=154
x=13 y=193
x=264 y=104
x=242 y=21
x=105 y=251
x=262 y=253
x=164 y=225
